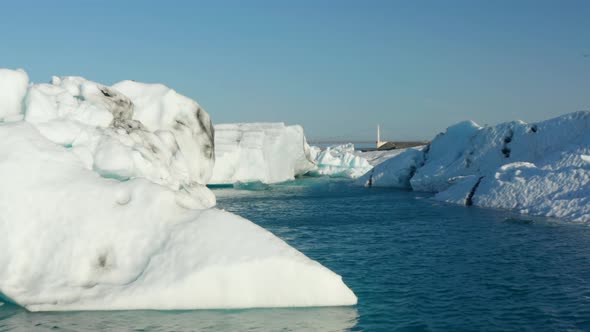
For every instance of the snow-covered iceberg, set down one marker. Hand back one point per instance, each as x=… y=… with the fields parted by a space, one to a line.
x=104 y=207
x=259 y=152
x=536 y=168
x=339 y=161
x=149 y=132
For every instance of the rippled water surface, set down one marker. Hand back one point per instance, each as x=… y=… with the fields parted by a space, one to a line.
x=414 y=263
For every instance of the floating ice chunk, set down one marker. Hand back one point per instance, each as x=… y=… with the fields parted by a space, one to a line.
x=13 y=88
x=340 y=161
x=76 y=241
x=539 y=168
x=533 y=168
x=259 y=152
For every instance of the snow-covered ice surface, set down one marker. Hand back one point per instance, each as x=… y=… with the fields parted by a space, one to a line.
x=259 y=152
x=104 y=207
x=538 y=168
x=344 y=161
x=149 y=132
x=377 y=157
x=339 y=161
x=395 y=171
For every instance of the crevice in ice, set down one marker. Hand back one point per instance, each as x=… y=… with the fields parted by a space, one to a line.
x=113 y=176
x=469 y=199
x=468 y=160
x=533 y=129
x=370 y=183
x=121 y=107
x=425 y=153
x=202 y=119
x=507 y=139
x=413 y=170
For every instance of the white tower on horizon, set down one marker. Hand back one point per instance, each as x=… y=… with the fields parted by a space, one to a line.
x=380 y=143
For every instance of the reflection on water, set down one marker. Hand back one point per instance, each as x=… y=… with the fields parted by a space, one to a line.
x=13 y=318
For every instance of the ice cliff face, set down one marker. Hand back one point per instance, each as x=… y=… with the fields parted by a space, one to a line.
x=104 y=207
x=538 y=168
x=260 y=152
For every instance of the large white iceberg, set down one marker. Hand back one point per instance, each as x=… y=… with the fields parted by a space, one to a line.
x=536 y=168
x=89 y=224
x=259 y=152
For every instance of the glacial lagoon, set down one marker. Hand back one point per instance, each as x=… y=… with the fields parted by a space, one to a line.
x=415 y=264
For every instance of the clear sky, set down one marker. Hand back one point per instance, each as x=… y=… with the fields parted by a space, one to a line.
x=336 y=67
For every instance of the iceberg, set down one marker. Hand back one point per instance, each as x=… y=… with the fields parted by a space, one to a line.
x=104 y=207
x=152 y=132
x=259 y=152
x=339 y=161
x=270 y=153
x=534 y=168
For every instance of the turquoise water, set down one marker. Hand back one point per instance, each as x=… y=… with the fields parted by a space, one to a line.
x=414 y=263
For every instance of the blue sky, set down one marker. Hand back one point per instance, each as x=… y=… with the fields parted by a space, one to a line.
x=336 y=67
